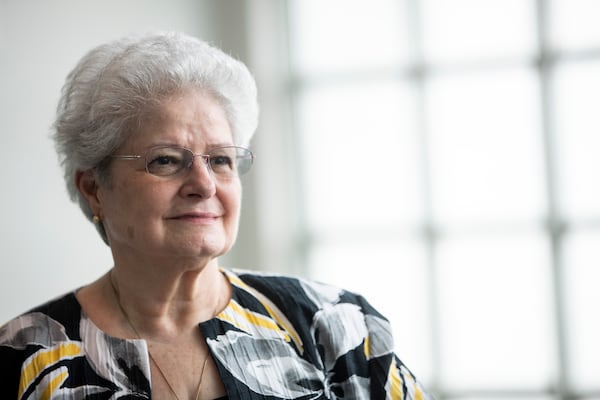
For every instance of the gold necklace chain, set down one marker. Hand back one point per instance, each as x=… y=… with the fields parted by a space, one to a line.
x=118 y=297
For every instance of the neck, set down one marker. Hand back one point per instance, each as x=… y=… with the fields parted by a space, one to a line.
x=117 y=294
x=166 y=304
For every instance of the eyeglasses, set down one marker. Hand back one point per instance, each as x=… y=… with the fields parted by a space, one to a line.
x=224 y=162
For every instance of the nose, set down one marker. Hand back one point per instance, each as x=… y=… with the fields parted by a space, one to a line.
x=199 y=180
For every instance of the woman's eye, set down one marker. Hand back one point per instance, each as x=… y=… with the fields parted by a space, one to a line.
x=221 y=162
x=165 y=160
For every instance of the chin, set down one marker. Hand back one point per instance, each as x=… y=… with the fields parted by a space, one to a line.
x=208 y=248
x=201 y=244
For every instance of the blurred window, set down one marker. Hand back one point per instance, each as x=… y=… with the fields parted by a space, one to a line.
x=449 y=153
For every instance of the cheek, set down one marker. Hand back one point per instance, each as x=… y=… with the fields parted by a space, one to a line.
x=237 y=198
x=232 y=201
x=122 y=205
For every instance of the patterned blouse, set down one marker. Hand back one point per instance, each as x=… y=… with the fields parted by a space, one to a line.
x=278 y=338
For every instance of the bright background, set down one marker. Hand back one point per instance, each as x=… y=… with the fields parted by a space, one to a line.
x=439 y=156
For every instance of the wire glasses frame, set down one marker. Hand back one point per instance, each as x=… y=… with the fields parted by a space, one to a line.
x=224 y=162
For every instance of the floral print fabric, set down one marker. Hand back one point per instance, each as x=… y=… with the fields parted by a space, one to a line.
x=279 y=338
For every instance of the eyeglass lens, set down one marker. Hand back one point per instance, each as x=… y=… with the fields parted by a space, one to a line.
x=223 y=161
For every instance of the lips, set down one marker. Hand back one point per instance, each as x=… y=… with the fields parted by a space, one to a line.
x=197 y=216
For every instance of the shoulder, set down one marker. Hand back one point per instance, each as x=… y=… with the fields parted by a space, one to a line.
x=55 y=320
x=49 y=325
x=300 y=290
x=334 y=328
x=56 y=342
x=309 y=303
x=330 y=312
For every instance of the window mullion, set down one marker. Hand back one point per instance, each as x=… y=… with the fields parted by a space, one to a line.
x=555 y=226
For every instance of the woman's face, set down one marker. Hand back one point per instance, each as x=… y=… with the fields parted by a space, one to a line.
x=190 y=214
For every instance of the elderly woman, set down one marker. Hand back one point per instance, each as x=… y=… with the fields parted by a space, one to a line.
x=152 y=133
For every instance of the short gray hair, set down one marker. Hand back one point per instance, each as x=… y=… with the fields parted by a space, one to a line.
x=115 y=84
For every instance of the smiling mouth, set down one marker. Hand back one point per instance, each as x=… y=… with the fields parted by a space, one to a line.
x=196 y=217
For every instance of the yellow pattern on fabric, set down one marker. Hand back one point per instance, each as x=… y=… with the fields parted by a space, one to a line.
x=254 y=319
x=53 y=385
x=367 y=348
x=418 y=391
x=411 y=383
x=44 y=358
x=395 y=382
x=271 y=309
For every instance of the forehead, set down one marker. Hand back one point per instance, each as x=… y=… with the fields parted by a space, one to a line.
x=192 y=117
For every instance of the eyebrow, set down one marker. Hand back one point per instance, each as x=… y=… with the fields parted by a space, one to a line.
x=174 y=144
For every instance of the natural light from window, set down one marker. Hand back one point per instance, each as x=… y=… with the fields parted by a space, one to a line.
x=449 y=152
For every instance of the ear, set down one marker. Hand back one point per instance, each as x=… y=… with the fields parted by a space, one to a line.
x=88 y=187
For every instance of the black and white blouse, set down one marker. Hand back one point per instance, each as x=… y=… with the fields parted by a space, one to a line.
x=278 y=338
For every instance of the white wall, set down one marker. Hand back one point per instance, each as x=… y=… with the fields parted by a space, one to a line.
x=46 y=245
